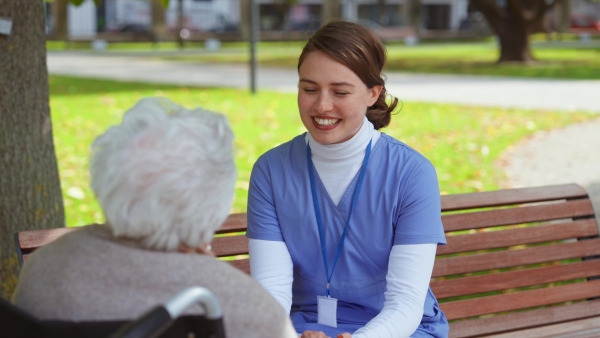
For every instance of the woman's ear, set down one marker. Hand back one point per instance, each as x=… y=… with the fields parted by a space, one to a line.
x=375 y=91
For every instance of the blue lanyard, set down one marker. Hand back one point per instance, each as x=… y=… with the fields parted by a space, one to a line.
x=313 y=187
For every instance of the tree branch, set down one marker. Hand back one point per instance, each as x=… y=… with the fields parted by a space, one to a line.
x=546 y=7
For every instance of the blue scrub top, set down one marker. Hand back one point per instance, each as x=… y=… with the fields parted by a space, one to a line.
x=399 y=204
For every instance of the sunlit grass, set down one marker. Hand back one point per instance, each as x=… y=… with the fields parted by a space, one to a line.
x=553 y=61
x=463 y=142
x=569 y=58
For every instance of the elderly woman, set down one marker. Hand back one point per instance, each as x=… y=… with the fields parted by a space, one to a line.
x=165 y=180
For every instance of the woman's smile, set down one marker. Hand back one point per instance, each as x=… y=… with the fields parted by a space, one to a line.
x=325 y=123
x=332 y=99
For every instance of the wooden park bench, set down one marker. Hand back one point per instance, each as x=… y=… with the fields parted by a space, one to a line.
x=518 y=263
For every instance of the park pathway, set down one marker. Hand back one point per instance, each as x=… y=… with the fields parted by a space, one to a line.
x=565 y=95
x=565 y=155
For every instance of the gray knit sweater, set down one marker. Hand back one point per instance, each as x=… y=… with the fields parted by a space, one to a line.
x=89 y=275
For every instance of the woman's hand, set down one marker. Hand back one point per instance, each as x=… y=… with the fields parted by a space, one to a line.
x=313 y=334
x=320 y=334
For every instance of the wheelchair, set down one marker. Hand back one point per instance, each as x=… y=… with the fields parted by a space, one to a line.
x=163 y=321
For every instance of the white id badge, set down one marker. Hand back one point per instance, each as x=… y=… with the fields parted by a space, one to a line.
x=327 y=311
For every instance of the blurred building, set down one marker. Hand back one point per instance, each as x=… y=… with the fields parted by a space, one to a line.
x=436 y=14
x=220 y=16
x=87 y=19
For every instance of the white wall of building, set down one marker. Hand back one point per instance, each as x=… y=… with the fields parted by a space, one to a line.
x=458 y=13
x=128 y=12
x=200 y=15
x=204 y=15
x=586 y=7
x=458 y=8
x=82 y=20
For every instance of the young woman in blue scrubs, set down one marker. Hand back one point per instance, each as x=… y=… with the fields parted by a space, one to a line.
x=344 y=220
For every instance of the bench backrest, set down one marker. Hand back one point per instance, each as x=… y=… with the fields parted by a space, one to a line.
x=515 y=258
x=229 y=243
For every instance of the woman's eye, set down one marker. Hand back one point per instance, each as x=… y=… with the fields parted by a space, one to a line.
x=341 y=93
x=309 y=90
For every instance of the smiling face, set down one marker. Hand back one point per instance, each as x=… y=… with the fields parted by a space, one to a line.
x=332 y=99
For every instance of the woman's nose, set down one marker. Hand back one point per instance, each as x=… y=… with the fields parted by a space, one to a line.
x=324 y=103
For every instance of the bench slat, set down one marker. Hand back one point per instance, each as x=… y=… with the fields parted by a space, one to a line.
x=230 y=246
x=242 y=264
x=518 y=215
x=581 y=328
x=511 y=237
x=511 y=196
x=514 y=279
x=521 y=320
x=30 y=240
x=520 y=300
x=513 y=258
x=234 y=223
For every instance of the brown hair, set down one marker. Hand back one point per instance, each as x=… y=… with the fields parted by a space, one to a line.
x=357 y=48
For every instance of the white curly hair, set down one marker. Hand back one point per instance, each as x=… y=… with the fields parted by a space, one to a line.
x=165 y=176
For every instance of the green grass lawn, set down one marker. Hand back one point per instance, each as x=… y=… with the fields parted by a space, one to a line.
x=463 y=142
x=569 y=59
x=572 y=61
x=560 y=60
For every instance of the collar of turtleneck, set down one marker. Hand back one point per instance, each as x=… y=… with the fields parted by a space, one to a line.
x=338 y=163
x=354 y=147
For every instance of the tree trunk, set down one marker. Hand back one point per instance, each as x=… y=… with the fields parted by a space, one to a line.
x=30 y=195
x=180 y=24
x=562 y=18
x=159 y=29
x=60 y=15
x=412 y=15
x=331 y=11
x=245 y=19
x=512 y=22
x=381 y=12
x=513 y=37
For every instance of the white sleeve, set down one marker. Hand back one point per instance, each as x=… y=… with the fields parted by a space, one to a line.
x=271 y=265
x=408 y=276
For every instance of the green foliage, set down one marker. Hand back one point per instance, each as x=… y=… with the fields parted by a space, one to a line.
x=463 y=142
